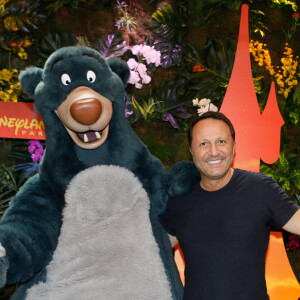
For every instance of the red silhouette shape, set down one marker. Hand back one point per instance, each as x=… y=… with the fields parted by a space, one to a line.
x=257 y=135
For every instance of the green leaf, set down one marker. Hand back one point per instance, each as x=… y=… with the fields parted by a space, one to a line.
x=51 y=41
x=24 y=16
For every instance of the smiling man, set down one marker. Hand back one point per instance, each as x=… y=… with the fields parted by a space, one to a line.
x=223 y=225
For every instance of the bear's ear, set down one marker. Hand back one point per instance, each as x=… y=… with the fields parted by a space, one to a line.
x=29 y=79
x=120 y=67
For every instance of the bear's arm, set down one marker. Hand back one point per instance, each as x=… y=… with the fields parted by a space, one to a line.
x=29 y=231
x=181 y=178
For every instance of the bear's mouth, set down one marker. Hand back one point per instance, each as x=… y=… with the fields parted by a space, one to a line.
x=89 y=136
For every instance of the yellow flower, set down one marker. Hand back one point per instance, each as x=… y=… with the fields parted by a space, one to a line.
x=14 y=98
x=5 y=74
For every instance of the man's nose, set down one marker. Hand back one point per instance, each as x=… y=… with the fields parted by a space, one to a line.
x=213 y=150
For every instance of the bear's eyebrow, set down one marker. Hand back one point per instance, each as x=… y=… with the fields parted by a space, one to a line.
x=56 y=61
x=90 y=55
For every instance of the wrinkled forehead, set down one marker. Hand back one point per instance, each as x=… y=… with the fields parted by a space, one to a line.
x=211 y=129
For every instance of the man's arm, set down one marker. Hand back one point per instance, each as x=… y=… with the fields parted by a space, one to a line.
x=293 y=225
x=173 y=240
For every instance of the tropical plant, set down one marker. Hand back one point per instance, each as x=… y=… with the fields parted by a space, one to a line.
x=51 y=41
x=8 y=186
x=146 y=110
x=110 y=45
x=23 y=16
x=286 y=172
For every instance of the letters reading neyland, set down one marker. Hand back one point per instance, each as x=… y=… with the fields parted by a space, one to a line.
x=21 y=123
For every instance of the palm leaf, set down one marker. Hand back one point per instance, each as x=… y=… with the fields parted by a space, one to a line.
x=51 y=41
x=111 y=45
x=168 y=24
x=24 y=16
x=171 y=52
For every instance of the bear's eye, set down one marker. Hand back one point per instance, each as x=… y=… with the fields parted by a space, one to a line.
x=91 y=76
x=65 y=79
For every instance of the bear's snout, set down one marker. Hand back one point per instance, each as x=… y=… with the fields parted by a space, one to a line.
x=86 y=111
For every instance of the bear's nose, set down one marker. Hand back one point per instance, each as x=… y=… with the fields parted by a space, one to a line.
x=86 y=111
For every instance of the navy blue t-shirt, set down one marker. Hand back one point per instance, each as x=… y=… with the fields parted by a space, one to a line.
x=224 y=235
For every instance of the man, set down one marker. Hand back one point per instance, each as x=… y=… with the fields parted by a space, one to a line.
x=223 y=224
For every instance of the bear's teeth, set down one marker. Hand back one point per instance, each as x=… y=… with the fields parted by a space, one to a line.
x=85 y=138
x=98 y=135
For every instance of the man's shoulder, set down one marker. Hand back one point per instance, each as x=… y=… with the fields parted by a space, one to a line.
x=254 y=177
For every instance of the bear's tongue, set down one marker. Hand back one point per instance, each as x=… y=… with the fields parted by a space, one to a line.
x=89 y=136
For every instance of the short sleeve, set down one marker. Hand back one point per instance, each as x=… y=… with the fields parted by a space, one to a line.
x=280 y=208
x=168 y=218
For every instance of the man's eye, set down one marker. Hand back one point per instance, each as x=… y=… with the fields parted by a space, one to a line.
x=203 y=144
x=222 y=141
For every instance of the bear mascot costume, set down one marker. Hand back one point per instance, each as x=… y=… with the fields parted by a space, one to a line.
x=87 y=225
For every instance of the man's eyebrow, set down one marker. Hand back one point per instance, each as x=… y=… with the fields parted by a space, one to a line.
x=55 y=62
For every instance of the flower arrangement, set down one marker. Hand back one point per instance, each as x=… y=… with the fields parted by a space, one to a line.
x=36 y=150
x=138 y=69
x=10 y=88
x=124 y=21
x=286 y=74
x=204 y=105
x=261 y=55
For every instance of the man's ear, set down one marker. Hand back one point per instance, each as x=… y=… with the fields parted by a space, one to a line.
x=191 y=150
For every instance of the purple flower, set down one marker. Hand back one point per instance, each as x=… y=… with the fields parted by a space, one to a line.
x=120 y=4
x=168 y=117
x=36 y=158
x=119 y=25
x=128 y=112
x=36 y=149
x=32 y=148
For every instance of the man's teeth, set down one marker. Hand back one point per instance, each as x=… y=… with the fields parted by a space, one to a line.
x=213 y=162
x=98 y=135
x=85 y=138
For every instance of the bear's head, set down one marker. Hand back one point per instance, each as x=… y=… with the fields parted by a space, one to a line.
x=80 y=89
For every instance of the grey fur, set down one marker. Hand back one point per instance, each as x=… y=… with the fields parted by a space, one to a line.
x=106 y=249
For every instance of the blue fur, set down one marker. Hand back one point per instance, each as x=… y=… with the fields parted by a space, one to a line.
x=30 y=228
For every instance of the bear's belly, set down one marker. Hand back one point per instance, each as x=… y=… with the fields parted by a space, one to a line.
x=106 y=249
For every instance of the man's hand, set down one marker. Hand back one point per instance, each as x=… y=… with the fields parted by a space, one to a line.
x=293 y=225
x=173 y=240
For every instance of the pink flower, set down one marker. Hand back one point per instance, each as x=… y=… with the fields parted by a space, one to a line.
x=132 y=63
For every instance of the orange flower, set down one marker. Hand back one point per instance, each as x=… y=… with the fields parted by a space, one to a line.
x=198 y=68
x=296 y=15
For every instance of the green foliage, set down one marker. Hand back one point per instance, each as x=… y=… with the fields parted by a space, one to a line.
x=292 y=4
x=256 y=23
x=8 y=186
x=51 y=41
x=219 y=57
x=57 y=4
x=23 y=16
x=169 y=24
x=217 y=60
x=171 y=52
x=286 y=172
x=146 y=109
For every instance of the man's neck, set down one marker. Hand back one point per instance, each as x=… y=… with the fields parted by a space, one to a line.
x=212 y=185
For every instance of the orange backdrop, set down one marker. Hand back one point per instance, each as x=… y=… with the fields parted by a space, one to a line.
x=257 y=137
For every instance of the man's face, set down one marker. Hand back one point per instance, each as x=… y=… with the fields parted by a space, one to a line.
x=212 y=148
